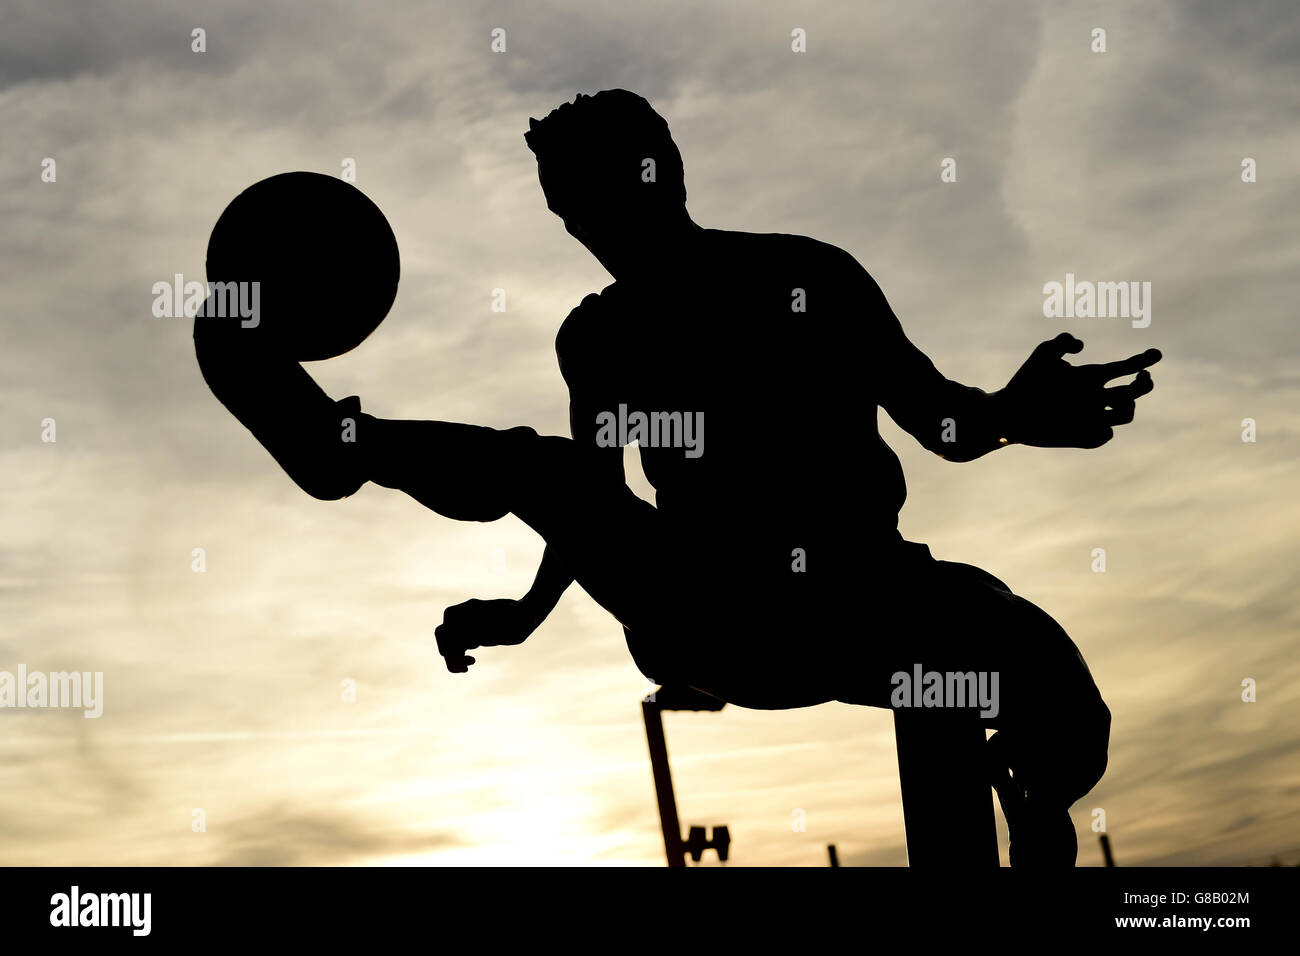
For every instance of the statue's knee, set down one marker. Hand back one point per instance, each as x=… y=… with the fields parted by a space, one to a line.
x=531 y=473
x=551 y=463
x=1094 y=744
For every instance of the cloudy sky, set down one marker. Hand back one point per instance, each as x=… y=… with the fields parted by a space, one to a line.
x=223 y=688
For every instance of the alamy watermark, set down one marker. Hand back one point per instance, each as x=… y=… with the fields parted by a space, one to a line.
x=1098 y=300
x=73 y=689
x=76 y=908
x=181 y=299
x=957 y=689
x=652 y=430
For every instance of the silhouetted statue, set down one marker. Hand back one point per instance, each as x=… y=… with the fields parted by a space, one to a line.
x=771 y=572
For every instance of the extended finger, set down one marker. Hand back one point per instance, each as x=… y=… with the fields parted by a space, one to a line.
x=1064 y=344
x=1130 y=392
x=1134 y=363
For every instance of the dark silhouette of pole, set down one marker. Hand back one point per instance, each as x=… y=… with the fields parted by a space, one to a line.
x=654 y=735
x=835 y=857
x=947 y=795
x=652 y=708
x=1105 y=850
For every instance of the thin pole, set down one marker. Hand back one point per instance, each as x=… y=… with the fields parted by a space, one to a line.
x=654 y=735
x=1105 y=850
x=835 y=857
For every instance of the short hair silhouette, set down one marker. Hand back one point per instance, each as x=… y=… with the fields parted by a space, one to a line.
x=595 y=148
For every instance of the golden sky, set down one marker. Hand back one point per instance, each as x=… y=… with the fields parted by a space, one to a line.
x=223 y=689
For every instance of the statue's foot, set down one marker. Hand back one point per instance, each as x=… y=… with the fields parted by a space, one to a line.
x=1042 y=833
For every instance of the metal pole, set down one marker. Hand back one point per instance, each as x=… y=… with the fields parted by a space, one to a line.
x=835 y=857
x=654 y=735
x=1105 y=850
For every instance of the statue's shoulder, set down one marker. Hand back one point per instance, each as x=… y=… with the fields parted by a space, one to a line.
x=581 y=332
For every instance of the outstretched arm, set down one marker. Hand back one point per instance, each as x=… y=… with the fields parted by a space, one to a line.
x=505 y=621
x=501 y=622
x=477 y=623
x=1047 y=403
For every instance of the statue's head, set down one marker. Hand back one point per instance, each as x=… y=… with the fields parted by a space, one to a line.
x=611 y=171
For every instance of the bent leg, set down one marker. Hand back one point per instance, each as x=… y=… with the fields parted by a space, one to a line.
x=611 y=540
x=1053 y=723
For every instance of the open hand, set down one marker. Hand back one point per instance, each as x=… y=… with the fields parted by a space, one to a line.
x=1051 y=403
